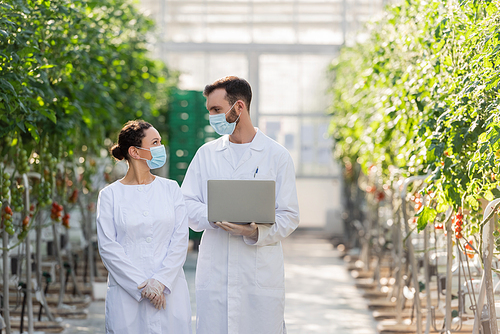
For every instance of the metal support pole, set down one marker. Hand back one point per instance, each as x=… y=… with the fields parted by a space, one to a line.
x=411 y=253
x=379 y=248
x=88 y=234
x=72 y=267
x=23 y=308
x=253 y=79
x=488 y=252
x=57 y=249
x=399 y=270
x=427 y=279
x=42 y=302
x=414 y=271
x=449 y=262
x=367 y=247
x=90 y=256
x=486 y=287
x=39 y=274
x=6 y=270
x=28 y=256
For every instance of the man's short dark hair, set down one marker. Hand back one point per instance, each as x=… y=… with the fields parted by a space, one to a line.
x=236 y=89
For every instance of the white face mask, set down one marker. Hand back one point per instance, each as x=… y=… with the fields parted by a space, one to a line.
x=221 y=125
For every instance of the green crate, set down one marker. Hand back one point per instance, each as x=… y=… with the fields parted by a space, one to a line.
x=189 y=128
x=181 y=142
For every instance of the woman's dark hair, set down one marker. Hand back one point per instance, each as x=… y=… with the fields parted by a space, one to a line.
x=130 y=135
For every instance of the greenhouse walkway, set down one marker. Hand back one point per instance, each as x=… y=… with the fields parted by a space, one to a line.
x=320 y=293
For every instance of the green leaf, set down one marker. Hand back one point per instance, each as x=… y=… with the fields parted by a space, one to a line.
x=49 y=114
x=7 y=85
x=488 y=195
x=32 y=129
x=427 y=215
x=21 y=126
x=452 y=194
x=496 y=192
x=494 y=139
x=473 y=202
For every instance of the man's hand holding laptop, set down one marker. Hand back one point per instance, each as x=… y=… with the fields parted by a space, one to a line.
x=247 y=230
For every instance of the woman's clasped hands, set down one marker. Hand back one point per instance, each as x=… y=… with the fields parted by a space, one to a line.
x=153 y=290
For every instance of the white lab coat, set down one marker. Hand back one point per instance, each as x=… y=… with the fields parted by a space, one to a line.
x=240 y=284
x=142 y=233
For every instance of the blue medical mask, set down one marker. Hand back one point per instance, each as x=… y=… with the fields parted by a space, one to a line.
x=158 y=156
x=221 y=125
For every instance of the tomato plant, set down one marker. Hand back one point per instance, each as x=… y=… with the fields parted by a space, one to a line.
x=420 y=96
x=71 y=74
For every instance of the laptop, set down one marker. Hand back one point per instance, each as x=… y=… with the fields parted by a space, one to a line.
x=241 y=201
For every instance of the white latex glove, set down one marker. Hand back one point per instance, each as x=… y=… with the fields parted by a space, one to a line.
x=247 y=230
x=153 y=290
x=160 y=302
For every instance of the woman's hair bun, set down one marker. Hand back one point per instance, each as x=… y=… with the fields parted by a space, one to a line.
x=116 y=151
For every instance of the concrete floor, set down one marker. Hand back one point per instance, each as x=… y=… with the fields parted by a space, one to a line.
x=320 y=293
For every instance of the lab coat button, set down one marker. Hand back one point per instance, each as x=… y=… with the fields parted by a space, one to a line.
x=149 y=239
x=140 y=188
x=145 y=213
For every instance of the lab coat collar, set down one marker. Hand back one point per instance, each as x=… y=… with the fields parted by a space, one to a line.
x=258 y=142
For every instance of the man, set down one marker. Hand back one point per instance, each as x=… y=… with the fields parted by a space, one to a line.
x=240 y=270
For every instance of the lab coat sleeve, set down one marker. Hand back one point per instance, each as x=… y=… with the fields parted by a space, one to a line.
x=287 y=207
x=192 y=188
x=178 y=245
x=112 y=253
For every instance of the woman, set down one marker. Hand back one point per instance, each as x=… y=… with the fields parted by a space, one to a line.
x=143 y=238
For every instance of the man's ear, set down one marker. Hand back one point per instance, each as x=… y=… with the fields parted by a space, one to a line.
x=241 y=106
